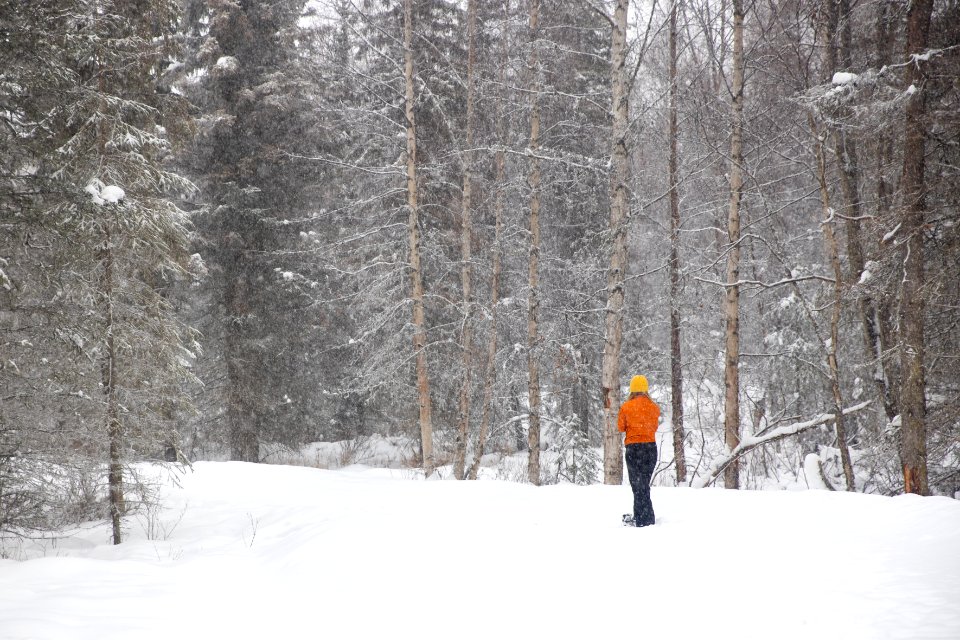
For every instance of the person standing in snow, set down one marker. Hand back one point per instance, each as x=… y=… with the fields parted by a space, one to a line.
x=638 y=419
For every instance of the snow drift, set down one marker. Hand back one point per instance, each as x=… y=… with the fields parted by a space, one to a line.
x=249 y=551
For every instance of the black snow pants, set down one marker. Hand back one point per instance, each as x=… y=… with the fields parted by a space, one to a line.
x=641 y=461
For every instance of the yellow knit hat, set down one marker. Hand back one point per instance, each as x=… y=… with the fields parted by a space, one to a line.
x=638 y=384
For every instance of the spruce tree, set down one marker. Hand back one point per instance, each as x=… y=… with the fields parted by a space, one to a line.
x=94 y=240
x=261 y=210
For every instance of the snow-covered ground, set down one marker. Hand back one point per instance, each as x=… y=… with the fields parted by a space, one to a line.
x=256 y=551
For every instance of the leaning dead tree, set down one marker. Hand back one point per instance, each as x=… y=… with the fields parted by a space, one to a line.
x=749 y=443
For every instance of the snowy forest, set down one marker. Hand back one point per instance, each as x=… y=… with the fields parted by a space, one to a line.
x=239 y=229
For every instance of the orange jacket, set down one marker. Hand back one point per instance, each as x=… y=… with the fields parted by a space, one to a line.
x=639 y=419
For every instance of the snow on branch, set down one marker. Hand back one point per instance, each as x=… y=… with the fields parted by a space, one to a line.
x=765 y=285
x=748 y=443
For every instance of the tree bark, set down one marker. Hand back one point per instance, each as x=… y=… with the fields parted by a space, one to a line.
x=616 y=275
x=883 y=318
x=109 y=364
x=847 y=163
x=913 y=408
x=500 y=163
x=413 y=224
x=241 y=417
x=833 y=253
x=466 y=269
x=828 y=29
x=731 y=374
x=114 y=428
x=839 y=34
x=676 y=363
x=533 y=298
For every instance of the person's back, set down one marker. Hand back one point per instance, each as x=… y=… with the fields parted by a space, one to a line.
x=638 y=420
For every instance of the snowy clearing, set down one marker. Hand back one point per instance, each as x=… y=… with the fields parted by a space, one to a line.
x=252 y=551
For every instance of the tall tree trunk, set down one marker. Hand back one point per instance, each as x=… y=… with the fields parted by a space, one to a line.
x=833 y=252
x=109 y=372
x=616 y=275
x=832 y=362
x=847 y=162
x=913 y=407
x=466 y=269
x=676 y=364
x=500 y=163
x=731 y=373
x=533 y=299
x=419 y=323
x=886 y=366
x=828 y=29
x=241 y=416
x=848 y=165
x=109 y=364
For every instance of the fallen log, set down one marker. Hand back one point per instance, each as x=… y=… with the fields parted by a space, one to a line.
x=748 y=443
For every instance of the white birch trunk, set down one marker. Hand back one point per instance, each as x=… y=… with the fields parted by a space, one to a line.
x=619 y=214
x=466 y=270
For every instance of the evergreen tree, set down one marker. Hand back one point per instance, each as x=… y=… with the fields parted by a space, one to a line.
x=94 y=241
x=258 y=220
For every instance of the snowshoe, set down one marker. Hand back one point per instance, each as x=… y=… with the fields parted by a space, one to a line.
x=628 y=520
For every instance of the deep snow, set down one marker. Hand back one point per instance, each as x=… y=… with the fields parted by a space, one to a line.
x=253 y=551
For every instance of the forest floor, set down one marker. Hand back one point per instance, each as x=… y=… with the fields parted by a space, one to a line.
x=238 y=550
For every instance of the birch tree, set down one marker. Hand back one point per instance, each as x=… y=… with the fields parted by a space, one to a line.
x=619 y=216
x=731 y=374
